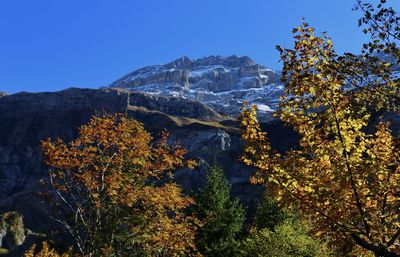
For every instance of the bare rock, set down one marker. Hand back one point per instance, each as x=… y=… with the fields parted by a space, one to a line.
x=12 y=230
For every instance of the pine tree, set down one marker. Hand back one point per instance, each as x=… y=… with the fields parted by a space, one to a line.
x=269 y=214
x=223 y=217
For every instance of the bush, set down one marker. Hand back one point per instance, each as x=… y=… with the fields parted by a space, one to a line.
x=288 y=239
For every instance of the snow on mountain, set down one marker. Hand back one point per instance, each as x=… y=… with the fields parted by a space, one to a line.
x=223 y=83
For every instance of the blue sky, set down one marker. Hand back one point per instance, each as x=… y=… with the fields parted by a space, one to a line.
x=48 y=45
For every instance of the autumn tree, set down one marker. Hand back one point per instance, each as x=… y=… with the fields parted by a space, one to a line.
x=223 y=217
x=344 y=175
x=112 y=192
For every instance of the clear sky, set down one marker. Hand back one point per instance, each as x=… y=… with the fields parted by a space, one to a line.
x=48 y=45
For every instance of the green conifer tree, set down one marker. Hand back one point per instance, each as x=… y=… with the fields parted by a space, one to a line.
x=223 y=217
x=269 y=214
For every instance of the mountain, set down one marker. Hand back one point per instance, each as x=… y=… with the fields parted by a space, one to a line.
x=222 y=83
x=197 y=101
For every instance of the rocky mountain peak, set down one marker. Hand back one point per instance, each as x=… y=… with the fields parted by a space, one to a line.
x=222 y=83
x=180 y=63
x=232 y=61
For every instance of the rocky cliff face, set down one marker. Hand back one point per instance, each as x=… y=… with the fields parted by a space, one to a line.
x=26 y=119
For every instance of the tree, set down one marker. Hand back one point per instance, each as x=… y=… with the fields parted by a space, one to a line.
x=342 y=177
x=222 y=217
x=108 y=192
x=269 y=214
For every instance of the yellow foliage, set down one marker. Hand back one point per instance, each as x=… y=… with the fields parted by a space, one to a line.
x=342 y=178
x=45 y=251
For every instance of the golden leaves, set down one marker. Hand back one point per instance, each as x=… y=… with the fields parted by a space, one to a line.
x=45 y=251
x=342 y=178
x=113 y=164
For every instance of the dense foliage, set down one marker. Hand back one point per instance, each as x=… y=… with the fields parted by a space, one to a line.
x=278 y=232
x=289 y=239
x=269 y=214
x=112 y=194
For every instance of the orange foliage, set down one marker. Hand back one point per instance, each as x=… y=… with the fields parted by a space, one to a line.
x=106 y=178
x=45 y=251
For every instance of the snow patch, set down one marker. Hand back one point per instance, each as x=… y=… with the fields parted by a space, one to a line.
x=264 y=108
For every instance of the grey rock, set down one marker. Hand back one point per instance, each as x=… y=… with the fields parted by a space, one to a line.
x=12 y=230
x=173 y=105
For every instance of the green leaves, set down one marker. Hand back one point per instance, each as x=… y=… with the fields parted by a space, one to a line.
x=288 y=239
